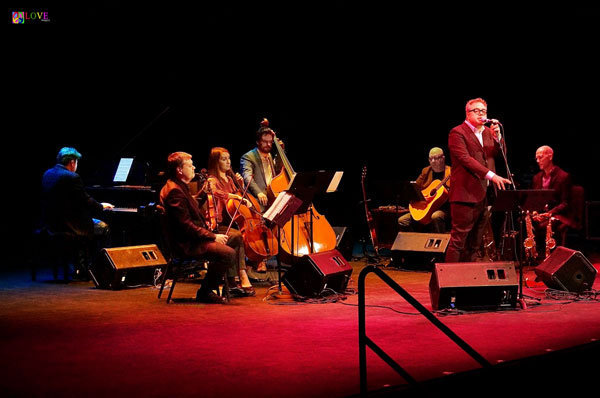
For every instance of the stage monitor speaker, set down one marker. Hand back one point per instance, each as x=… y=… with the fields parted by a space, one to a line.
x=413 y=249
x=314 y=273
x=489 y=285
x=567 y=270
x=129 y=266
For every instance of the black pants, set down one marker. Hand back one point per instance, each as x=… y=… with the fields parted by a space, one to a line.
x=468 y=225
x=220 y=258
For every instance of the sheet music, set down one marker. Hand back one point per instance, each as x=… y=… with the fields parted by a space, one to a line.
x=276 y=208
x=335 y=181
x=123 y=170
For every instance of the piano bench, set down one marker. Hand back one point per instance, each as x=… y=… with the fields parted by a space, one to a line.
x=58 y=250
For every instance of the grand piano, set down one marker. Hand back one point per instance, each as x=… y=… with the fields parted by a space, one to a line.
x=124 y=183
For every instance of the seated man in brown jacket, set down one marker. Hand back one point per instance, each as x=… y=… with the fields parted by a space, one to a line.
x=188 y=233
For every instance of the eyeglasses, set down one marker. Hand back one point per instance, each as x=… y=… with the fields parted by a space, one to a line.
x=438 y=157
x=479 y=111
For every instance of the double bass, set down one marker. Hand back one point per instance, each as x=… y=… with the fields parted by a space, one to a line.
x=311 y=231
x=260 y=242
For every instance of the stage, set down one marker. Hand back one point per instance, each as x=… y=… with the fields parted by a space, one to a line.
x=64 y=340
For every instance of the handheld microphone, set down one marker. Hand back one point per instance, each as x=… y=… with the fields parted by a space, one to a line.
x=200 y=176
x=492 y=121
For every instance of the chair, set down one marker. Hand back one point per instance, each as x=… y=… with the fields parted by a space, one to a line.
x=178 y=268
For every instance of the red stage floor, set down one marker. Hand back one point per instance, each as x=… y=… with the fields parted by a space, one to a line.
x=64 y=340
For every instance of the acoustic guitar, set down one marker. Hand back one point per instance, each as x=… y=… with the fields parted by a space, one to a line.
x=435 y=196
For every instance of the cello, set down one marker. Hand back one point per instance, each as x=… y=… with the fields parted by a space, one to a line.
x=305 y=233
x=260 y=241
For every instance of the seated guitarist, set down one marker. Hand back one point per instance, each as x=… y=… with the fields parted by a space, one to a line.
x=434 y=216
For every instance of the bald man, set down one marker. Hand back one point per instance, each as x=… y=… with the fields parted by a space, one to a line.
x=437 y=170
x=553 y=177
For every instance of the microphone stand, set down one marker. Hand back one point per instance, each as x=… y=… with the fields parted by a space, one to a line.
x=508 y=228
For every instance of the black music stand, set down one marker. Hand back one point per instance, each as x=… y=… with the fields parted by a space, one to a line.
x=386 y=192
x=522 y=200
x=305 y=185
x=281 y=211
x=410 y=192
x=298 y=200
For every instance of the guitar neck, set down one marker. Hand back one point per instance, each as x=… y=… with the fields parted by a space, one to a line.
x=443 y=182
x=368 y=214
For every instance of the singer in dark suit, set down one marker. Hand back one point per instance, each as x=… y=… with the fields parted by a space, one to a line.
x=187 y=229
x=473 y=147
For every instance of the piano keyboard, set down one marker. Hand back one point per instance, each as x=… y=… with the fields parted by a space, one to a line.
x=125 y=209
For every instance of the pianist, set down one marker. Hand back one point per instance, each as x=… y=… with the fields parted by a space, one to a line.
x=67 y=210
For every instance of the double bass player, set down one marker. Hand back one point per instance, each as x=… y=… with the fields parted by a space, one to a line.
x=258 y=168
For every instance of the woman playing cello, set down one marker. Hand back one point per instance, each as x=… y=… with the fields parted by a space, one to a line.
x=224 y=188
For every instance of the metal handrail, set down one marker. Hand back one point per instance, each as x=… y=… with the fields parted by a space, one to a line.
x=364 y=341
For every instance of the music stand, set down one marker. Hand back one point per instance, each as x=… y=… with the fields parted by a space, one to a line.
x=298 y=197
x=386 y=192
x=522 y=200
x=410 y=192
x=305 y=185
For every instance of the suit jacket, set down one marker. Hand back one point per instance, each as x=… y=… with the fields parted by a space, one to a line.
x=470 y=163
x=426 y=177
x=251 y=165
x=66 y=206
x=561 y=182
x=186 y=224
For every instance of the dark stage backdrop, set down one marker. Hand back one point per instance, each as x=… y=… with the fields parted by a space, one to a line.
x=345 y=85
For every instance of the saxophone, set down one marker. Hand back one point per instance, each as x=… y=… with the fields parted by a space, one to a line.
x=550 y=242
x=529 y=242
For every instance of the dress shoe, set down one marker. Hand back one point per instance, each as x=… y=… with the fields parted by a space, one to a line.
x=249 y=290
x=210 y=298
x=242 y=291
